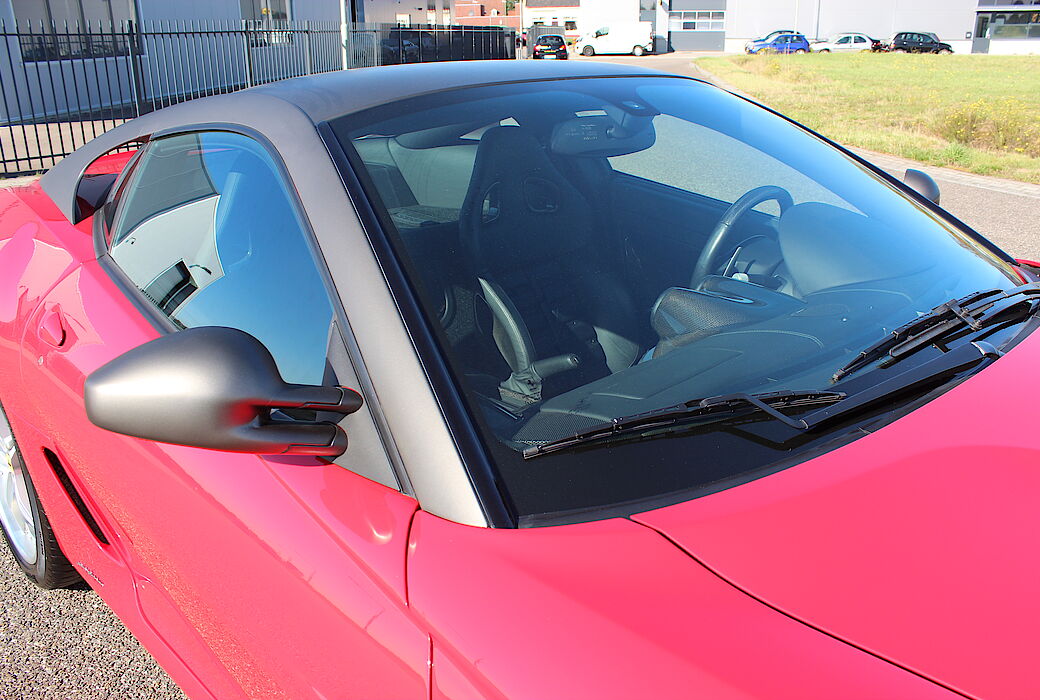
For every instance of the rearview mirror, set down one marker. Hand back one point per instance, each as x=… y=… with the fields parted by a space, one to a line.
x=922 y=183
x=213 y=387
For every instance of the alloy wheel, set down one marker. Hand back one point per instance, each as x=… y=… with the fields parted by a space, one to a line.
x=16 y=512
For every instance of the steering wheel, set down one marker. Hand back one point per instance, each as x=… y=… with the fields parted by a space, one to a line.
x=718 y=240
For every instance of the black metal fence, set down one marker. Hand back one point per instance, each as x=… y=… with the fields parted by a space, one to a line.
x=385 y=44
x=62 y=86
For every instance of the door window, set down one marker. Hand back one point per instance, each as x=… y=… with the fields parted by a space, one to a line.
x=843 y=40
x=859 y=40
x=208 y=232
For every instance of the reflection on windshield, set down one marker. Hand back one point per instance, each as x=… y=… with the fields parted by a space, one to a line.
x=609 y=247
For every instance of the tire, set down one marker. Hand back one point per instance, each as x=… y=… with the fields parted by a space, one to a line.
x=799 y=50
x=898 y=50
x=26 y=528
x=638 y=51
x=824 y=51
x=944 y=52
x=588 y=51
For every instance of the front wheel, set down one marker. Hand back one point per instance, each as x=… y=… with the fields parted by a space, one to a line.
x=823 y=51
x=944 y=51
x=799 y=50
x=25 y=525
x=588 y=51
x=638 y=50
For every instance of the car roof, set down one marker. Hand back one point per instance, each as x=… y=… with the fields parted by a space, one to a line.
x=321 y=97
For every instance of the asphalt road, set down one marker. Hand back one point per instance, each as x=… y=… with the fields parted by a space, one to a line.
x=67 y=644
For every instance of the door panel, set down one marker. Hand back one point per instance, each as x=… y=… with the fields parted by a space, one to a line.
x=269 y=577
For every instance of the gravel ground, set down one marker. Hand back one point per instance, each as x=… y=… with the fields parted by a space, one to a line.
x=68 y=644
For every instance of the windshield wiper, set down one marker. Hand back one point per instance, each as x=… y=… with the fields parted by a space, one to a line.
x=972 y=311
x=722 y=406
x=841 y=405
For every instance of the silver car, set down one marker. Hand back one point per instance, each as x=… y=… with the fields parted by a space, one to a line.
x=844 y=43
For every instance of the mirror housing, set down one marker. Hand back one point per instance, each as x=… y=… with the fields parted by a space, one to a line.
x=215 y=388
x=922 y=183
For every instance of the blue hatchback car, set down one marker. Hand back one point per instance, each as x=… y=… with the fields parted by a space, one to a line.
x=791 y=42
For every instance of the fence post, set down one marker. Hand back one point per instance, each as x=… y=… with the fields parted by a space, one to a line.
x=308 y=61
x=133 y=57
x=249 y=54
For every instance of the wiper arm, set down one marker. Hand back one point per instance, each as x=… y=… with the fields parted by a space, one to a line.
x=711 y=407
x=840 y=406
x=956 y=360
x=968 y=311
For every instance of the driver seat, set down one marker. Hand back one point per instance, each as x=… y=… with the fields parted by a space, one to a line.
x=560 y=318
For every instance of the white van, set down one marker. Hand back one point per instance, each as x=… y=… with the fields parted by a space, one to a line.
x=635 y=38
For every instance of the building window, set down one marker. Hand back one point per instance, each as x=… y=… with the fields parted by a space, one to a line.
x=697 y=21
x=570 y=25
x=260 y=10
x=43 y=24
x=1008 y=25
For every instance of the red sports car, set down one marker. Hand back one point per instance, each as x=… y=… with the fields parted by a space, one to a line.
x=649 y=391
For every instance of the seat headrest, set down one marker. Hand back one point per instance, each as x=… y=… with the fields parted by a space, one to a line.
x=519 y=208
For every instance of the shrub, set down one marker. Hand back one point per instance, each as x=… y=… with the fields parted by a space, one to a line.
x=1002 y=125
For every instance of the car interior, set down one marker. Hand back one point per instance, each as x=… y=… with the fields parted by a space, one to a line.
x=571 y=292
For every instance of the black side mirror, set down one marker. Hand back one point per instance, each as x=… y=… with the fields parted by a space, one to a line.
x=922 y=183
x=213 y=387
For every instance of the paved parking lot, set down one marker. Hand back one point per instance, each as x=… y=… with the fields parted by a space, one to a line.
x=67 y=644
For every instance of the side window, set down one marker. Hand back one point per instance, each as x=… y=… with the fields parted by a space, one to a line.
x=860 y=40
x=208 y=232
x=843 y=40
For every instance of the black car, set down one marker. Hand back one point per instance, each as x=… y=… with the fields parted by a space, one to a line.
x=550 y=46
x=917 y=42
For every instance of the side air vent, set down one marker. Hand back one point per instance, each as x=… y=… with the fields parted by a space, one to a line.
x=77 y=500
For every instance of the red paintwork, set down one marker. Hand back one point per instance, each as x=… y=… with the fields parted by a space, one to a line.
x=613 y=610
x=244 y=576
x=918 y=542
x=295 y=578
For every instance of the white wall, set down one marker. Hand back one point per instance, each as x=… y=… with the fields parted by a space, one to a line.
x=950 y=19
x=1009 y=47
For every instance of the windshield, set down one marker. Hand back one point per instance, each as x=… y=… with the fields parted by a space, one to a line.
x=589 y=249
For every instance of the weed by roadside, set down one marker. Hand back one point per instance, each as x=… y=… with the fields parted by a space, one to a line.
x=976 y=113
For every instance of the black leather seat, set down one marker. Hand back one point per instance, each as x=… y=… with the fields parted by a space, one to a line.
x=560 y=317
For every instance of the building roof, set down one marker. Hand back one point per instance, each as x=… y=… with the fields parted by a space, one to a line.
x=553 y=3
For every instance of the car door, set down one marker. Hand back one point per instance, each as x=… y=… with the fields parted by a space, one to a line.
x=843 y=43
x=859 y=43
x=265 y=576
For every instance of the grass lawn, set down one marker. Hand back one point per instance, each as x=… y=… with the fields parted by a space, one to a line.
x=976 y=113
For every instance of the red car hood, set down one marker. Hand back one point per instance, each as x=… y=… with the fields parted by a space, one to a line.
x=919 y=543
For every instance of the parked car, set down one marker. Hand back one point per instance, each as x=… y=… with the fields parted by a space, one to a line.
x=768 y=38
x=650 y=393
x=917 y=42
x=636 y=38
x=848 y=42
x=550 y=46
x=781 y=43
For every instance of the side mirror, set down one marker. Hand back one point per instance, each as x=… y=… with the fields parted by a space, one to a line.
x=213 y=387
x=922 y=183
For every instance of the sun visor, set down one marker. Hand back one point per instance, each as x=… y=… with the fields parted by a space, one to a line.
x=602 y=135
